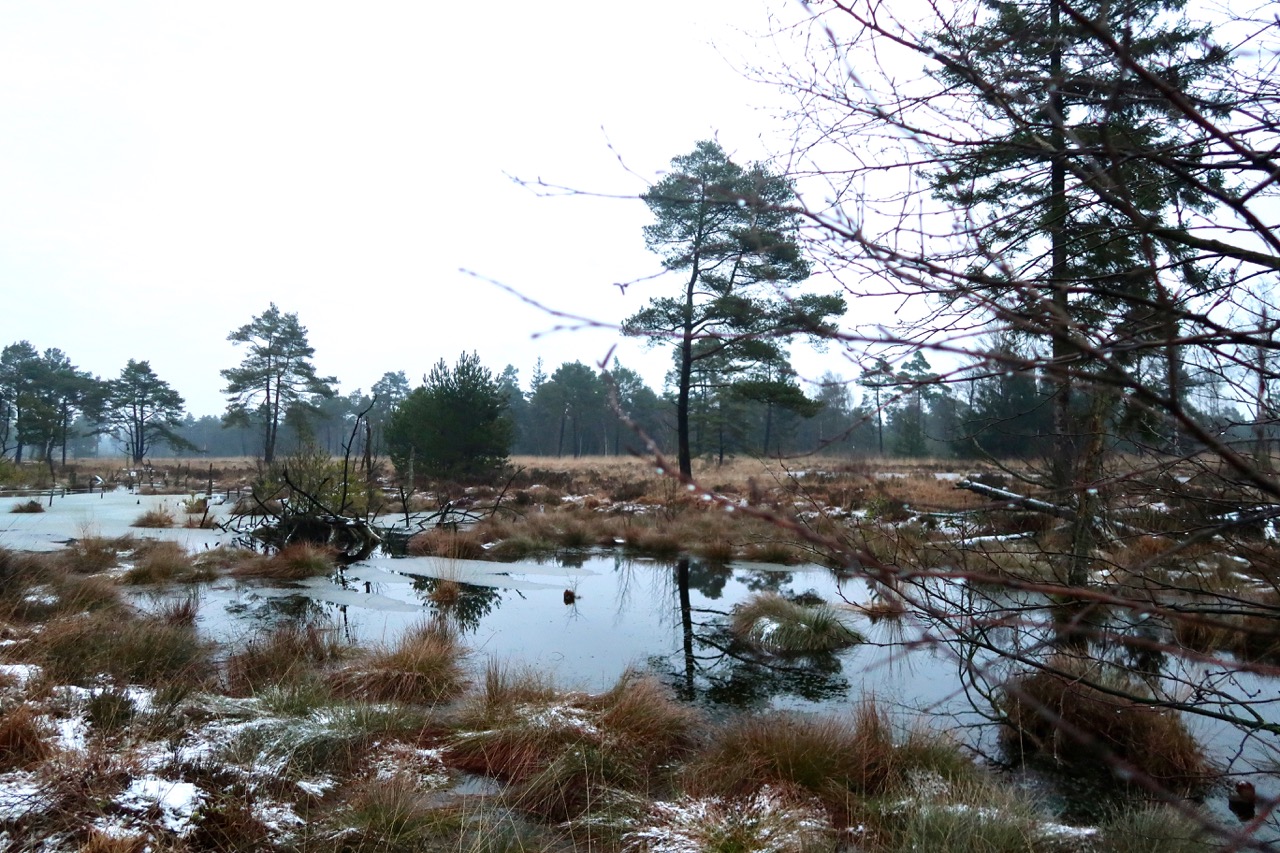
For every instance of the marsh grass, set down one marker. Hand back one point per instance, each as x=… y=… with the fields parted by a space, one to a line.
x=565 y=753
x=1156 y=829
x=158 y=561
x=987 y=822
x=92 y=554
x=286 y=656
x=779 y=626
x=390 y=816
x=424 y=667
x=295 y=562
x=839 y=761
x=446 y=593
x=772 y=819
x=24 y=738
x=330 y=740
x=450 y=544
x=159 y=517
x=31 y=506
x=126 y=648
x=1152 y=740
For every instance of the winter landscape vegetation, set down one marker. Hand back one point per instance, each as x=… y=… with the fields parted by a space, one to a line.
x=1014 y=586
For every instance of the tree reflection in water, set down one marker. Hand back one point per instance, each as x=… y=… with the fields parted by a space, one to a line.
x=716 y=669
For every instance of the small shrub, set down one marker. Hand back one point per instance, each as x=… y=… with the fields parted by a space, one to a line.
x=424 y=667
x=109 y=711
x=28 y=506
x=1152 y=740
x=159 y=517
x=195 y=506
x=779 y=626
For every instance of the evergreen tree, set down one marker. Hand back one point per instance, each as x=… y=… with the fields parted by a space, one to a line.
x=142 y=409
x=276 y=377
x=728 y=230
x=455 y=426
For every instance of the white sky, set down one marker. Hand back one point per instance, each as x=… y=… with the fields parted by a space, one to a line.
x=167 y=169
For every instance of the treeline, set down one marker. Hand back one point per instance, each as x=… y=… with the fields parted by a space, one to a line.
x=50 y=410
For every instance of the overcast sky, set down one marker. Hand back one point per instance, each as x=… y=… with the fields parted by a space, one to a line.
x=168 y=169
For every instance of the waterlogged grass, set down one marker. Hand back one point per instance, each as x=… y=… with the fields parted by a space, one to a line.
x=424 y=667
x=159 y=517
x=1119 y=733
x=295 y=562
x=288 y=655
x=777 y=625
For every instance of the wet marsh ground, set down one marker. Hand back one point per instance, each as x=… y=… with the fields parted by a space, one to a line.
x=608 y=661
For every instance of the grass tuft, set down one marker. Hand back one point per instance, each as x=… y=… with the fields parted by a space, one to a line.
x=127 y=649
x=1151 y=740
x=24 y=739
x=1157 y=829
x=295 y=562
x=288 y=655
x=779 y=626
x=840 y=761
x=31 y=506
x=425 y=667
x=158 y=517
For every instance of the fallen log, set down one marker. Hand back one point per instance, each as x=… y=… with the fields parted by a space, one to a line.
x=1037 y=505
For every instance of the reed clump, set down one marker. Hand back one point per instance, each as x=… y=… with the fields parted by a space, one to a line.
x=1121 y=733
x=424 y=667
x=776 y=625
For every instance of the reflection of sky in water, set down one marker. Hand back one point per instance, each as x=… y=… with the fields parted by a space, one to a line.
x=627 y=613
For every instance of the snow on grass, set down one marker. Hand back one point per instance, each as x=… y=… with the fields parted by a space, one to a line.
x=20 y=795
x=558 y=718
x=424 y=766
x=19 y=673
x=175 y=802
x=764 y=823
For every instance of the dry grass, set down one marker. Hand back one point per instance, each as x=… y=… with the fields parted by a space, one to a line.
x=157 y=561
x=450 y=544
x=91 y=554
x=840 y=761
x=146 y=650
x=425 y=667
x=24 y=739
x=565 y=752
x=159 y=517
x=287 y=655
x=31 y=506
x=1152 y=740
x=295 y=562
